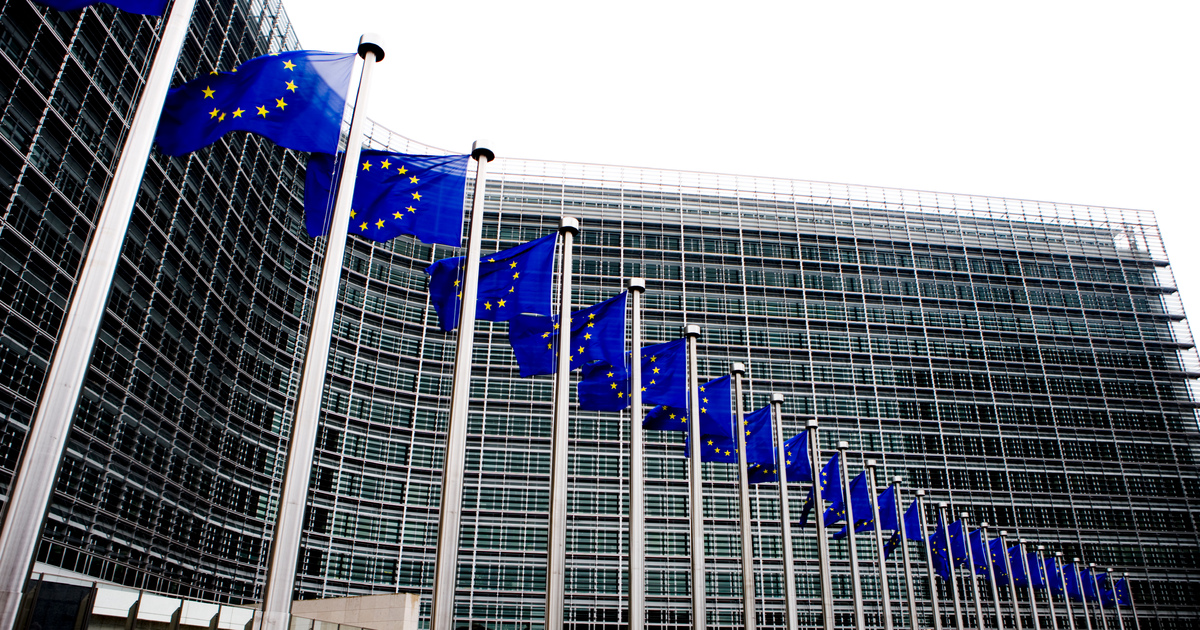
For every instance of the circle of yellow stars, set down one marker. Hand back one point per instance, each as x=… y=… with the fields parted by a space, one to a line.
x=386 y=164
x=261 y=110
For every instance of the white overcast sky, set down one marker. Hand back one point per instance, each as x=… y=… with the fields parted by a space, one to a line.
x=1078 y=102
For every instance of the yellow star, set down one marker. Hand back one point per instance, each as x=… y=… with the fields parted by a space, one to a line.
x=547 y=334
x=701 y=388
x=513 y=265
x=549 y=346
x=411 y=209
x=726 y=453
x=363 y=227
x=289 y=65
x=710 y=442
x=587 y=336
x=591 y=316
x=353 y=213
x=487 y=306
x=291 y=86
x=280 y=104
x=221 y=117
x=379 y=223
x=610 y=374
x=656 y=370
x=652 y=382
x=516 y=274
x=501 y=302
x=237 y=113
x=614 y=386
x=366 y=166
x=580 y=349
x=672 y=416
x=214 y=71
x=456 y=282
x=591 y=324
x=402 y=170
x=208 y=92
x=262 y=111
x=620 y=394
x=653 y=358
x=417 y=196
x=643 y=389
x=703 y=410
x=214 y=112
x=397 y=215
x=414 y=180
x=556 y=327
x=512 y=289
x=705 y=400
x=385 y=163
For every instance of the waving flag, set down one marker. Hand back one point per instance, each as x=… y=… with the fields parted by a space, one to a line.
x=799 y=466
x=511 y=282
x=912 y=522
x=142 y=7
x=597 y=334
x=603 y=388
x=831 y=489
x=759 y=445
x=939 y=548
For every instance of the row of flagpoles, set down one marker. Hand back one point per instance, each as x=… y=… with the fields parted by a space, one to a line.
x=515 y=286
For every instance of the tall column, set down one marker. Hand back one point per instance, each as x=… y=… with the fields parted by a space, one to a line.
x=908 y=578
x=749 y=618
x=29 y=494
x=556 y=543
x=885 y=596
x=445 y=576
x=855 y=575
x=637 y=476
x=933 y=588
x=971 y=569
x=958 y=612
x=695 y=482
x=814 y=458
x=293 y=496
x=785 y=520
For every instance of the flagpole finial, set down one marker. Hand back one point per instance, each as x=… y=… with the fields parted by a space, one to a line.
x=738 y=368
x=568 y=224
x=812 y=424
x=1041 y=547
x=897 y=479
x=1057 y=554
x=1075 y=560
x=943 y=505
x=920 y=493
x=691 y=330
x=637 y=284
x=1111 y=570
x=482 y=149
x=843 y=445
x=776 y=397
x=964 y=515
x=371 y=42
x=1125 y=574
x=871 y=463
x=983 y=525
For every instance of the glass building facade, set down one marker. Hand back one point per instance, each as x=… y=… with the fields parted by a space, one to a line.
x=1027 y=362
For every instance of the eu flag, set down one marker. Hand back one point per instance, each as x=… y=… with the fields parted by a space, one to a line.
x=143 y=7
x=664 y=418
x=603 y=387
x=1054 y=576
x=939 y=549
x=664 y=374
x=716 y=413
x=394 y=194
x=759 y=445
x=981 y=558
x=295 y=99
x=889 y=514
x=511 y=282
x=996 y=553
x=799 y=466
x=912 y=522
x=1121 y=589
x=1071 y=580
x=860 y=500
x=1020 y=572
x=1036 y=577
x=831 y=489
x=958 y=544
x=890 y=545
x=597 y=334
x=1088 y=585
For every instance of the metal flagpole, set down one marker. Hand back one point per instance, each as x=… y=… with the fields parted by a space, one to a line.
x=958 y=612
x=885 y=596
x=1087 y=616
x=991 y=578
x=908 y=578
x=1049 y=593
x=855 y=575
x=1012 y=587
x=1137 y=625
x=749 y=618
x=637 y=477
x=450 y=515
x=695 y=483
x=785 y=520
x=1116 y=604
x=1099 y=601
x=1058 y=568
x=1033 y=611
x=933 y=588
x=281 y=569
x=30 y=491
x=823 y=569
x=971 y=569
x=556 y=538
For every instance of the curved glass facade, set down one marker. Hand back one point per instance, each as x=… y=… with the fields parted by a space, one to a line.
x=1028 y=362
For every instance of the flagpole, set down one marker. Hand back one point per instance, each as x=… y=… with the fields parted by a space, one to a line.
x=885 y=595
x=556 y=548
x=958 y=613
x=1012 y=587
x=695 y=482
x=1099 y=600
x=823 y=569
x=33 y=484
x=637 y=478
x=1058 y=569
x=1087 y=615
x=1116 y=604
x=1033 y=610
x=1132 y=604
x=293 y=496
x=855 y=575
x=785 y=520
x=908 y=578
x=749 y=618
x=445 y=575
x=1049 y=592
x=971 y=570
x=991 y=578
x=933 y=589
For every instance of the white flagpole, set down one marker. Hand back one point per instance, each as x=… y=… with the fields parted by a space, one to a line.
x=556 y=549
x=1087 y=616
x=971 y=569
x=749 y=618
x=785 y=519
x=958 y=612
x=445 y=569
x=814 y=457
x=1041 y=557
x=933 y=588
x=695 y=482
x=1058 y=568
x=885 y=596
x=908 y=578
x=1099 y=601
x=1033 y=610
x=855 y=575
x=637 y=478
x=1132 y=604
x=991 y=577
x=33 y=484
x=1116 y=604
x=293 y=496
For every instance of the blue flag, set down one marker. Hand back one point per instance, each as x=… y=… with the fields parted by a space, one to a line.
x=958 y=544
x=759 y=445
x=1108 y=598
x=514 y=281
x=891 y=544
x=664 y=374
x=889 y=514
x=996 y=555
x=1071 y=582
x=294 y=99
x=394 y=194
x=939 y=549
x=1121 y=589
x=1054 y=576
x=860 y=501
x=603 y=388
x=912 y=522
x=799 y=465
x=831 y=489
x=664 y=418
x=1036 y=575
x=597 y=334
x=1020 y=572
x=978 y=555
x=143 y=7
x=1088 y=585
